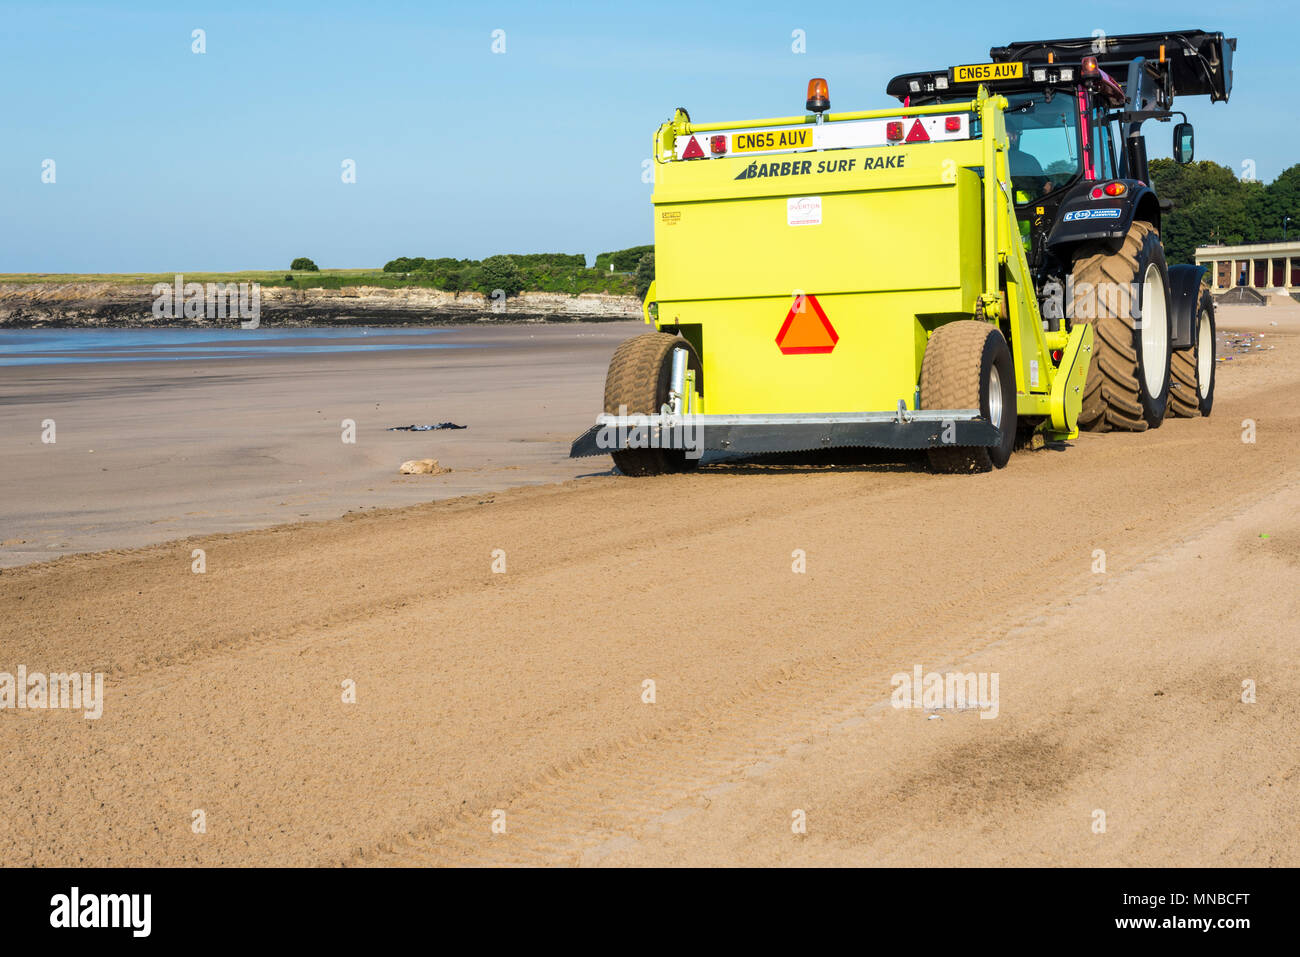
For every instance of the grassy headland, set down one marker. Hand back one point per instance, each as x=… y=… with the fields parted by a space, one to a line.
x=615 y=273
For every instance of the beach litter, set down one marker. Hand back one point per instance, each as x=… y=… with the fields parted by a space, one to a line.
x=426 y=428
x=1243 y=343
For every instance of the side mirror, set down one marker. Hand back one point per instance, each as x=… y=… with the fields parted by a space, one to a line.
x=1184 y=143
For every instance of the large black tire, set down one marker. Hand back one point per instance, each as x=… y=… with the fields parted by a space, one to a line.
x=967 y=365
x=1128 y=379
x=639 y=378
x=1191 y=387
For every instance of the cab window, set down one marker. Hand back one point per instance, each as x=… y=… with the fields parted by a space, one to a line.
x=1044 y=139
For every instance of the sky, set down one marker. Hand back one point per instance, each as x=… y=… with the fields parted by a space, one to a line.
x=169 y=160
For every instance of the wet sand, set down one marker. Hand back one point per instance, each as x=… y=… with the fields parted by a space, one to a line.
x=150 y=451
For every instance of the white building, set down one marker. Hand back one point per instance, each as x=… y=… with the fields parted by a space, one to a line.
x=1263 y=266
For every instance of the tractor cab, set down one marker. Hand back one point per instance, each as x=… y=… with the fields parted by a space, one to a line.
x=1074 y=115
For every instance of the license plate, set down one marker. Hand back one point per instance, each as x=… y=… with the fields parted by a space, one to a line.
x=987 y=72
x=771 y=140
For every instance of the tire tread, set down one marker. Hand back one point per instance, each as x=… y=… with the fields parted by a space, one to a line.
x=1112 y=393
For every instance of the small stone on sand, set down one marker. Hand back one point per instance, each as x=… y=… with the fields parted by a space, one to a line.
x=422 y=467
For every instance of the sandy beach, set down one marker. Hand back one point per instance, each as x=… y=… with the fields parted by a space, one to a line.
x=517 y=695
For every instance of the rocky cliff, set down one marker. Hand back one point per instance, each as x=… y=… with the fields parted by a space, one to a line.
x=110 y=304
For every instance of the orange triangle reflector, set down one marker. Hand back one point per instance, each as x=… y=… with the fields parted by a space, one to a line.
x=806 y=330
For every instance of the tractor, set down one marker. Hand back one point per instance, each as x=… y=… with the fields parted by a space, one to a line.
x=976 y=270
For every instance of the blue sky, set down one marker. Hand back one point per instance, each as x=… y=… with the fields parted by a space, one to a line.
x=171 y=161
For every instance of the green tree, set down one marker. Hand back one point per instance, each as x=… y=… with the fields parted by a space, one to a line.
x=500 y=272
x=304 y=264
x=1278 y=199
x=1210 y=205
x=623 y=260
x=645 y=273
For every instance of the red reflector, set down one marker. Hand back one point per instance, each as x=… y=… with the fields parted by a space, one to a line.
x=1115 y=189
x=952 y=124
x=917 y=133
x=717 y=144
x=692 y=150
x=1056 y=355
x=1096 y=192
x=894 y=130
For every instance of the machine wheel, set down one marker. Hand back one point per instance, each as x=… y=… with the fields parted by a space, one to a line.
x=1191 y=387
x=967 y=365
x=1128 y=379
x=639 y=379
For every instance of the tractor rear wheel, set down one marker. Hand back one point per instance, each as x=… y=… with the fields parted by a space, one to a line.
x=1192 y=379
x=1128 y=288
x=638 y=382
x=967 y=365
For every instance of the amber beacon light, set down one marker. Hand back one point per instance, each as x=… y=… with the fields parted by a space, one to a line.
x=819 y=96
